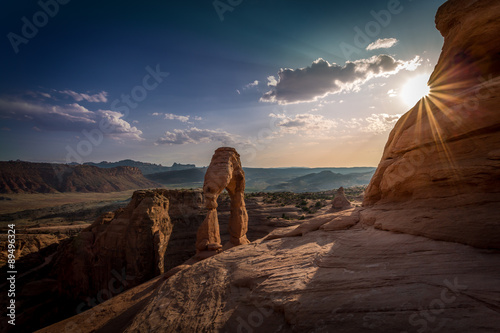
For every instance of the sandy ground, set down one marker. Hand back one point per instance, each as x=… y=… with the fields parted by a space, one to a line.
x=20 y=202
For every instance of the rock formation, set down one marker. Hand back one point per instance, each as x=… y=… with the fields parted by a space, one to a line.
x=129 y=243
x=340 y=200
x=440 y=172
x=224 y=172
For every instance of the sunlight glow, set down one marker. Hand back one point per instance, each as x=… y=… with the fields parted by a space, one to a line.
x=415 y=89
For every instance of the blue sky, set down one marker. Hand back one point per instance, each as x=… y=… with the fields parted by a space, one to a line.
x=287 y=83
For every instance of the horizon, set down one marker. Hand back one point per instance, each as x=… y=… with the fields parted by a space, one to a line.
x=308 y=84
x=198 y=166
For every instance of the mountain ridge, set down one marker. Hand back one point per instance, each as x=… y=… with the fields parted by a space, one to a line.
x=28 y=177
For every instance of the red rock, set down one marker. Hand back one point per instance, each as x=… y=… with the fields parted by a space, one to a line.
x=439 y=175
x=225 y=172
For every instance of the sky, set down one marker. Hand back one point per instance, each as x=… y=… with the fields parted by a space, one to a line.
x=287 y=83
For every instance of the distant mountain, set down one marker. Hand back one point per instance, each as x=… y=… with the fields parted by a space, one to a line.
x=27 y=177
x=146 y=168
x=275 y=179
x=193 y=177
x=259 y=179
x=322 y=181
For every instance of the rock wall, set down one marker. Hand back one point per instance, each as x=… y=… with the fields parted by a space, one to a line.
x=439 y=175
x=129 y=243
x=132 y=243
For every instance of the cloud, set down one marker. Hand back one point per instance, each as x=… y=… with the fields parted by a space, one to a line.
x=380 y=123
x=322 y=78
x=183 y=119
x=121 y=128
x=171 y=116
x=96 y=98
x=48 y=114
x=251 y=84
x=392 y=93
x=196 y=136
x=67 y=117
x=304 y=124
x=271 y=81
x=374 y=124
x=382 y=43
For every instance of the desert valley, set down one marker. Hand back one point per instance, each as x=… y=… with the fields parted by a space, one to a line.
x=412 y=245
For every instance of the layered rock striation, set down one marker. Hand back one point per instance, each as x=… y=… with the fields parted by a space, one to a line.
x=439 y=175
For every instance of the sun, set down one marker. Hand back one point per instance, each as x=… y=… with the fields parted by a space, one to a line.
x=415 y=89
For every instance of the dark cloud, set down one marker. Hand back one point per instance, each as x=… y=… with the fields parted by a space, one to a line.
x=322 y=78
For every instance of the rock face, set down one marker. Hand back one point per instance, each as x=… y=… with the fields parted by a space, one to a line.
x=224 y=172
x=26 y=177
x=132 y=243
x=129 y=243
x=340 y=200
x=440 y=172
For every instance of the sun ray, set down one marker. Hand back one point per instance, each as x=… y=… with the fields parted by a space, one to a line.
x=439 y=137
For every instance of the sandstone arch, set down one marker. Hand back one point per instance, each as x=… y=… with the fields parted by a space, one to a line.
x=225 y=172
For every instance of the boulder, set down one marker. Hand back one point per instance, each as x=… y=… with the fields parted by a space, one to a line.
x=340 y=201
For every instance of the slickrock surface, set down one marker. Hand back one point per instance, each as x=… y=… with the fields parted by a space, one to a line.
x=328 y=280
x=440 y=172
x=224 y=172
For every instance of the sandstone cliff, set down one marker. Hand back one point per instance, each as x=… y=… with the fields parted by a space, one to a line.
x=440 y=172
x=26 y=177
